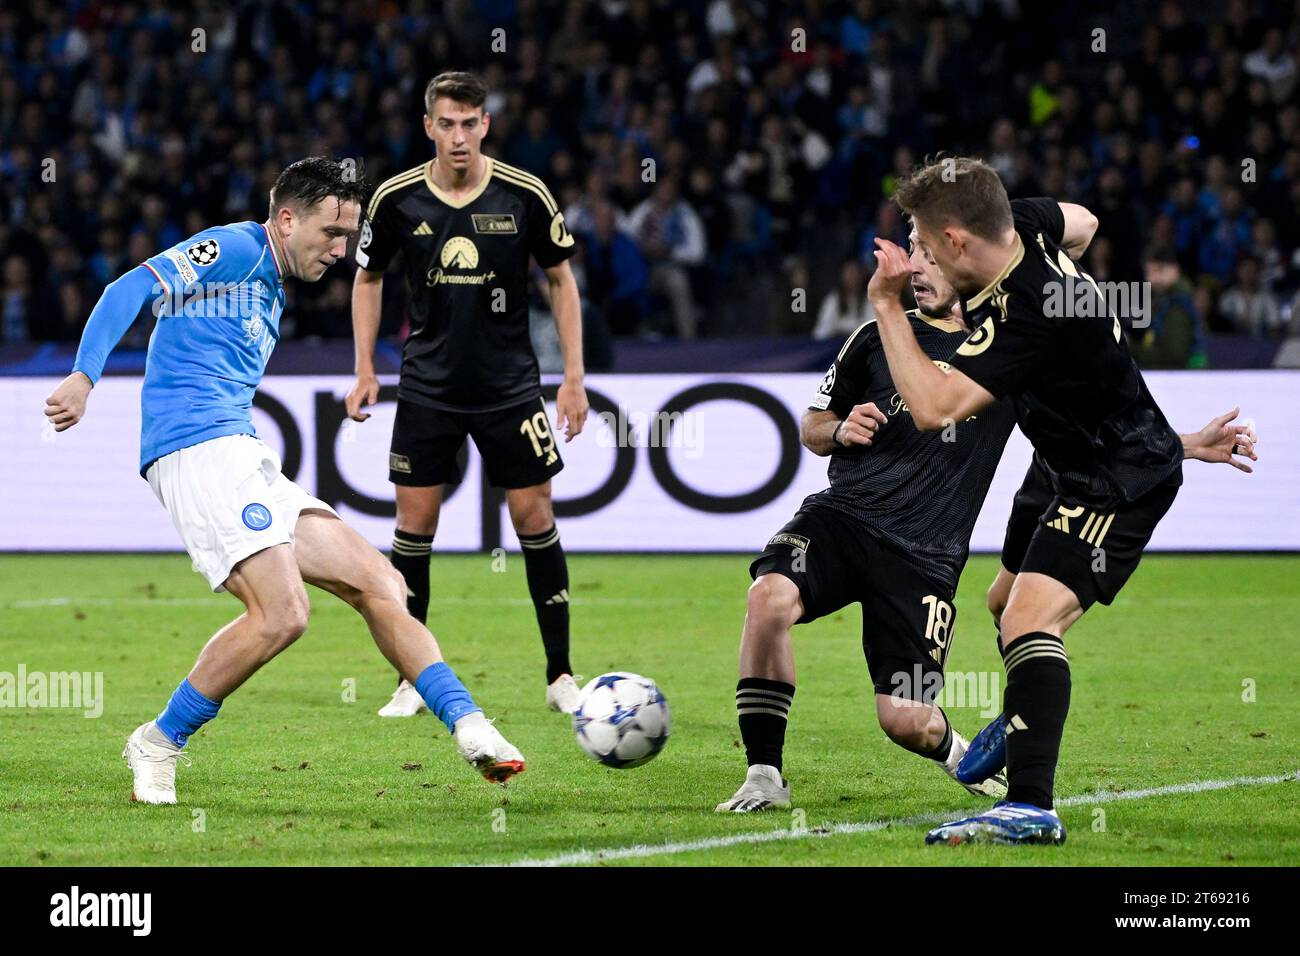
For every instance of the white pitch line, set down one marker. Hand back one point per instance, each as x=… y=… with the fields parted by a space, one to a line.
x=581 y=857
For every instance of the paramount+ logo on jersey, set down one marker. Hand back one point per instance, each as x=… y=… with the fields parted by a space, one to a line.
x=456 y=264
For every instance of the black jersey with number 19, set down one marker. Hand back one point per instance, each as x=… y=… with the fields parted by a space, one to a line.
x=466 y=264
x=917 y=492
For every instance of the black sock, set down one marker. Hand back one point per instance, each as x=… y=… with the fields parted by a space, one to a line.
x=548 y=583
x=763 y=707
x=411 y=557
x=1036 y=702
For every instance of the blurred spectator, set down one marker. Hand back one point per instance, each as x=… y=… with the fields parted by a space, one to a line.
x=671 y=238
x=1274 y=64
x=1248 y=306
x=1228 y=238
x=1264 y=247
x=616 y=273
x=845 y=307
x=16 y=305
x=1174 y=337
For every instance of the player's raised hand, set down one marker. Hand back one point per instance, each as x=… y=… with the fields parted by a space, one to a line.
x=571 y=410
x=893 y=272
x=67 y=403
x=861 y=424
x=365 y=392
x=1222 y=442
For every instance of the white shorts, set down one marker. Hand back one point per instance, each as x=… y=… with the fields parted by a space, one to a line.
x=228 y=500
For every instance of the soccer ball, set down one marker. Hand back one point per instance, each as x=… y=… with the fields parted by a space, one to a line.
x=621 y=720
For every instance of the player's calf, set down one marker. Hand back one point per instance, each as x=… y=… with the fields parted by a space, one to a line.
x=547 y=571
x=765 y=692
x=924 y=729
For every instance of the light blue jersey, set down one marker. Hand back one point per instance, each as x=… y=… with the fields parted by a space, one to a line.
x=218 y=297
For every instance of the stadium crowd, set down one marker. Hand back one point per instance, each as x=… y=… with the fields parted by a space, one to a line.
x=725 y=164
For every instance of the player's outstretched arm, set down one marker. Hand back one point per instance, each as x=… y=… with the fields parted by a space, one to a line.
x=823 y=431
x=935 y=398
x=1221 y=442
x=367 y=294
x=1080 y=227
x=566 y=306
x=108 y=322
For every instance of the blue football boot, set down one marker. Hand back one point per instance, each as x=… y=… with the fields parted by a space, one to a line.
x=1007 y=823
x=987 y=754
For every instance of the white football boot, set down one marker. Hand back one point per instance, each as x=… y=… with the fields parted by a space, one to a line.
x=764 y=787
x=405 y=702
x=562 y=694
x=995 y=786
x=152 y=759
x=486 y=750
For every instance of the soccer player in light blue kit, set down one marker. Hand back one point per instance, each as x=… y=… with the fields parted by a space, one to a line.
x=219 y=296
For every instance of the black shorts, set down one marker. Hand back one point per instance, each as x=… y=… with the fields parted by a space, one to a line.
x=907 y=619
x=1031 y=503
x=1092 y=552
x=517 y=445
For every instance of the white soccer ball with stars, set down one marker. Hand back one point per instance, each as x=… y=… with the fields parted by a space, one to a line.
x=621 y=720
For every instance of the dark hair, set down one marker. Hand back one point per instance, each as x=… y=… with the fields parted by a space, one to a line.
x=957 y=190
x=1161 y=254
x=464 y=88
x=308 y=181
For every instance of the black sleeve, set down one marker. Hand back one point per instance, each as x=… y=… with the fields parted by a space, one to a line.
x=1040 y=215
x=549 y=239
x=1005 y=352
x=379 y=237
x=846 y=381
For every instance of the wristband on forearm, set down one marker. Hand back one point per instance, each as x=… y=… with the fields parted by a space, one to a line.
x=835 y=435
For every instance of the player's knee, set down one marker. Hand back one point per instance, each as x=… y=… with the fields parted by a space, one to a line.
x=424 y=523
x=418 y=517
x=287 y=622
x=1018 y=620
x=383 y=589
x=773 y=599
x=533 y=515
x=997 y=602
x=389 y=586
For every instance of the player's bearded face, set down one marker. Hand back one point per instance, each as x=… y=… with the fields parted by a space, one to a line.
x=319 y=238
x=457 y=131
x=935 y=296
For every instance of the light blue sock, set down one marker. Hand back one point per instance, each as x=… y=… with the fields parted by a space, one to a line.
x=445 y=694
x=186 y=712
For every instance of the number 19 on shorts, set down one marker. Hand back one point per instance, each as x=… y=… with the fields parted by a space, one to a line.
x=538 y=431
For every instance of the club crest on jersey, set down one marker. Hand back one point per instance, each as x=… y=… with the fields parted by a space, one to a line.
x=257 y=517
x=204 y=253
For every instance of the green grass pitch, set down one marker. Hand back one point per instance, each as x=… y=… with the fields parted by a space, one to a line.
x=1193 y=675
